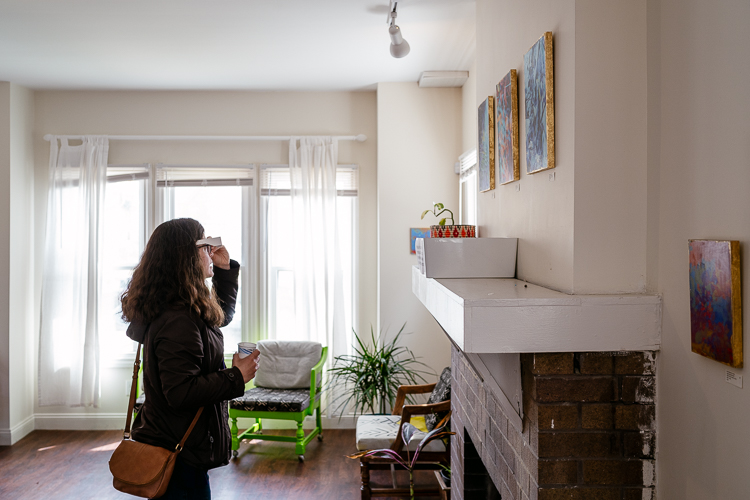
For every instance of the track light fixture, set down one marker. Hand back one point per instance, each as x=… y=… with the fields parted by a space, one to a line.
x=399 y=46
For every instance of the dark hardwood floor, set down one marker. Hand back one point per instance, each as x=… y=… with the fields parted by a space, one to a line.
x=73 y=465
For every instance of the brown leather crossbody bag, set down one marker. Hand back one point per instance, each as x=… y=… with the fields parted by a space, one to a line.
x=141 y=469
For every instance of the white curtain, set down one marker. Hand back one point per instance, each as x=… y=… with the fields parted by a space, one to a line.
x=68 y=339
x=318 y=278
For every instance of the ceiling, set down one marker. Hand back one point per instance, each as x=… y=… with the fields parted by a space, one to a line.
x=228 y=44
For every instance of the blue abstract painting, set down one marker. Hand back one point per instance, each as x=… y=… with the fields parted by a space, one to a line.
x=538 y=86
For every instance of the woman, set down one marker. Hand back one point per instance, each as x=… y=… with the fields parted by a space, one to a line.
x=177 y=317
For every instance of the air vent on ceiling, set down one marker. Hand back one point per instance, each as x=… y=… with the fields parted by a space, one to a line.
x=443 y=78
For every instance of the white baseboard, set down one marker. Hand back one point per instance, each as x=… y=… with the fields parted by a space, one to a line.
x=116 y=421
x=9 y=437
x=79 y=421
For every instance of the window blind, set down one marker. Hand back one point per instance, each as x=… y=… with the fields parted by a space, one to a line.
x=275 y=180
x=204 y=175
x=468 y=162
x=121 y=173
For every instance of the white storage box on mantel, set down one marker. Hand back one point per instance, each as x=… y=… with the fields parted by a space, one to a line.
x=467 y=257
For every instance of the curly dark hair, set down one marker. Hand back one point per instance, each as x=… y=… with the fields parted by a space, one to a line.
x=170 y=274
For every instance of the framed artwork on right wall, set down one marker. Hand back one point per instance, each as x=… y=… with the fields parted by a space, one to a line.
x=506 y=128
x=486 y=149
x=716 y=300
x=539 y=105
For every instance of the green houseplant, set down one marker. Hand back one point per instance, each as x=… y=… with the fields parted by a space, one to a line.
x=436 y=213
x=452 y=230
x=372 y=374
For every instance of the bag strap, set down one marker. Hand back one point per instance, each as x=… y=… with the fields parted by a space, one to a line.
x=131 y=404
x=133 y=385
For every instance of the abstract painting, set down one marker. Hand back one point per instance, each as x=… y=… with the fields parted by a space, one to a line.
x=539 y=105
x=417 y=232
x=715 y=300
x=506 y=127
x=486 y=149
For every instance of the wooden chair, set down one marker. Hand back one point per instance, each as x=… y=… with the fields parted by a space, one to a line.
x=378 y=431
x=280 y=404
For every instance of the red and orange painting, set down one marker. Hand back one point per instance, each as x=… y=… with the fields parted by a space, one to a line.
x=715 y=300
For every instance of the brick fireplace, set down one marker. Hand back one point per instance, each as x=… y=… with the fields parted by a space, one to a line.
x=588 y=429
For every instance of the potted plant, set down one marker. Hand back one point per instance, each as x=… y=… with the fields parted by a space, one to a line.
x=452 y=230
x=371 y=376
x=410 y=461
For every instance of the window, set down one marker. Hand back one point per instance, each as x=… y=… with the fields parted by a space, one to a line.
x=122 y=242
x=224 y=200
x=276 y=207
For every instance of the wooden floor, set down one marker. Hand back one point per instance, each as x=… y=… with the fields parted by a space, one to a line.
x=73 y=465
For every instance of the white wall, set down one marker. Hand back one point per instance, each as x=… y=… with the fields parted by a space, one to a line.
x=583 y=230
x=419 y=140
x=610 y=146
x=4 y=263
x=538 y=212
x=21 y=321
x=704 y=181
x=203 y=113
x=468 y=111
x=17 y=272
x=653 y=147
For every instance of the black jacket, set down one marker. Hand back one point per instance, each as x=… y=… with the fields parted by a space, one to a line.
x=183 y=369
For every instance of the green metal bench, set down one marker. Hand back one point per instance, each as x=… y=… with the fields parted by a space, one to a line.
x=280 y=404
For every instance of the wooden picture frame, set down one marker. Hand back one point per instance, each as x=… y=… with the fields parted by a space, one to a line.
x=506 y=128
x=486 y=149
x=716 y=300
x=539 y=105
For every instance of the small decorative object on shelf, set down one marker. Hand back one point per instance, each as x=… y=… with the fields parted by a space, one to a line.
x=455 y=231
x=443 y=230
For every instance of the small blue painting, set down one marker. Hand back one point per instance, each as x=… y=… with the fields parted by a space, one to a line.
x=538 y=85
x=417 y=232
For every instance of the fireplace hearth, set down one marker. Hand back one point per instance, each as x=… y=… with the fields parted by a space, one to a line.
x=588 y=429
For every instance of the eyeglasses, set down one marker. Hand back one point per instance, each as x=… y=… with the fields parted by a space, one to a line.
x=211 y=243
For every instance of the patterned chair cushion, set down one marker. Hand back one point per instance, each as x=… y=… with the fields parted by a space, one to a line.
x=441 y=392
x=379 y=431
x=262 y=399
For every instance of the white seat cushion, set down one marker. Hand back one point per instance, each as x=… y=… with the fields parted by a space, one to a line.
x=286 y=364
x=379 y=431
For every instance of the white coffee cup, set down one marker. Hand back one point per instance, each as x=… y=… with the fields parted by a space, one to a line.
x=245 y=349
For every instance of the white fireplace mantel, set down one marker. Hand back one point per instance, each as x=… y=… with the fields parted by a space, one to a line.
x=511 y=316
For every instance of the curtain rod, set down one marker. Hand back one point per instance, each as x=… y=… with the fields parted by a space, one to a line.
x=359 y=138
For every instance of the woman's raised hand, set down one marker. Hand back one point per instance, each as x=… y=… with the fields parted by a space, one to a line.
x=220 y=257
x=247 y=365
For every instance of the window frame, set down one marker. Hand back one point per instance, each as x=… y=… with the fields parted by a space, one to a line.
x=254 y=275
x=249 y=283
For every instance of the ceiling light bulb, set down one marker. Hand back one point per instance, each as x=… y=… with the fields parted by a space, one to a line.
x=399 y=46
